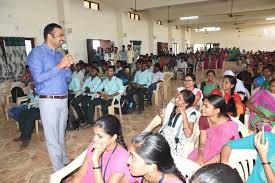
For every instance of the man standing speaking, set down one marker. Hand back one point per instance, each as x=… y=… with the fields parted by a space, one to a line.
x=50 y=71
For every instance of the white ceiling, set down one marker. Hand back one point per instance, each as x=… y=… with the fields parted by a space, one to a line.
x=211 y=12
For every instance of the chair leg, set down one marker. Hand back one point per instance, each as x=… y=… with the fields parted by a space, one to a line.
x=7 y=115
x=111 y=110
x=120 y=114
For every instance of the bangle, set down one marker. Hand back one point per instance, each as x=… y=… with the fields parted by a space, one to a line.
x=266 y=163
x=98 y=167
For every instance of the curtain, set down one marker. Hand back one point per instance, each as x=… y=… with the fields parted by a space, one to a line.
x=3 y=66
x=15 y=57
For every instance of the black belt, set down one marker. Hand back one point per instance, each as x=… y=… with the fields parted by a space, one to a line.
x=53 y=96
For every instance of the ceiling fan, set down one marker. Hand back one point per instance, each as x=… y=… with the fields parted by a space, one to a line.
x=168 y=15
x=135 y=7
x=229 y=14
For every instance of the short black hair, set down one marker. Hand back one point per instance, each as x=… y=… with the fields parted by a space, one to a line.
x=191 y=75
x=96 y=68
x=157 y=65
x=112 y=67
x=49 y=28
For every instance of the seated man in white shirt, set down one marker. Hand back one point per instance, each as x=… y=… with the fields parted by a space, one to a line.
x=157 y=78
x=118 y=66
x=78 y=73
x=182 y=65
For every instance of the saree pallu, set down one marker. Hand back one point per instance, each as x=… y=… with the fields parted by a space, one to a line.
x=216 y=137
x=264 y=102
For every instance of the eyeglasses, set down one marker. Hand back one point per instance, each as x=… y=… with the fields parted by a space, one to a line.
x=188 y=80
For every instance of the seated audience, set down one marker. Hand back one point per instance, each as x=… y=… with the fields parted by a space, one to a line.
x=137 y=67
x=178 y=121
x=142 y=80
x=124 y=75
x=239 y=67
x=239 y=88
x=110 y=88
x=258 y=69
x=247 y=77
x=150 y=158
x=210 y=84
x=263 y=80
x=189 y=84
x=106 y=159
x=88 y=91
x=263 y=170
x=216 y=173
x=150 y=65
x=26 y=119
x=78 y=72
x=235 y=107
x=157 y=78
x=182 y=64
x=217 y=129
x=262 y=107
x=118 y=66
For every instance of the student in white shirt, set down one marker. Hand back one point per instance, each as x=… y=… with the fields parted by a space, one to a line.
x=182 y=65
x=157 y=78
x=78 y=73
x=108 y=56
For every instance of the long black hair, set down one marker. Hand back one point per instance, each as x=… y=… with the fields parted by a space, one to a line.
x=231 y=105
x=154 y=149
x=111 y=125
x=216 y=173
x=219 y=103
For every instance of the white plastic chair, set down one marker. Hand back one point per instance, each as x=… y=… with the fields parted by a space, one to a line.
x=75 y=164
x=111 y=108
x=243 y=161
x=36 y=121
x=157 y=94
x=167 y=76
x=241 y=127
x=153 y=124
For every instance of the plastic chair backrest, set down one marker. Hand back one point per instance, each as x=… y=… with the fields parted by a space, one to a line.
x=243 y=160
x=76 y=163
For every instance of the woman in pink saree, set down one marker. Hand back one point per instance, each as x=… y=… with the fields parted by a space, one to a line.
x=262 y=107
x=217 y=130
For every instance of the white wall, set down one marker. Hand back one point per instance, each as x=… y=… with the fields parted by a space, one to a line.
x=138 y=30
x=89 y=24
x=160 y=35
x=260 y=37
x=177 y=38
x=17 y=19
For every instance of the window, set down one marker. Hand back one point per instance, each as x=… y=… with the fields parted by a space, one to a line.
x=175 y=48
x=159 y=22
x=91 y=5
x=134 y=16
x=96 y=44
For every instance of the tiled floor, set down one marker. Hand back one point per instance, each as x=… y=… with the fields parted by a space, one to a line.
x=32 y=163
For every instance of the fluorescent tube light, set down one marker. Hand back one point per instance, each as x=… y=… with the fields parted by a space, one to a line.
x=189 y=18
x=270 y=18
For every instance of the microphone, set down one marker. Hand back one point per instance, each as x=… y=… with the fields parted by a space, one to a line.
x=65 y=48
